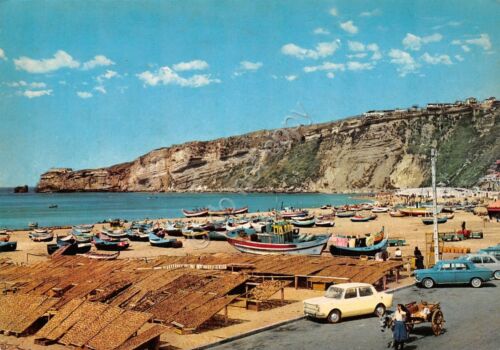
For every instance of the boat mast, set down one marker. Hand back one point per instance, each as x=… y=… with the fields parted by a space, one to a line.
x=434 y=205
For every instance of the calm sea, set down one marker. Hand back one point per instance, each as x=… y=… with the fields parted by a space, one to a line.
x=17 y=210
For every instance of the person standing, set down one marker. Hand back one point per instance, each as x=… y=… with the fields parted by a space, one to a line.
x=419 y=259
x=399 y=332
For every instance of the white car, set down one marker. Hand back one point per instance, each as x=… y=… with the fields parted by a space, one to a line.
x=485 y=260
x=348 y=299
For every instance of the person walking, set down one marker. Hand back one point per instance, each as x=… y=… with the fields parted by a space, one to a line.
x=399 y=332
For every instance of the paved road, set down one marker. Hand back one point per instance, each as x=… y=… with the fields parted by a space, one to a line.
x=472 y=322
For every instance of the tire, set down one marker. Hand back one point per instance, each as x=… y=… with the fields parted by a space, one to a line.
x=496 y=274
x=379 y=310
x=334 y=316
x=428 y=283
x=476 y=282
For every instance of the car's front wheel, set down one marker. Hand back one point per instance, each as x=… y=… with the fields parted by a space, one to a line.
x=334 y=316
x=428 y=283
x=497 y=275
x=380 y=310
x=476 y=282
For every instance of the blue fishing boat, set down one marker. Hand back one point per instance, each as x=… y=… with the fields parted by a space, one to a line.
x=303 y=223
x=8 y=246
x=369 y=250
x=156 y=241
x=101 y=244
x=430 y=221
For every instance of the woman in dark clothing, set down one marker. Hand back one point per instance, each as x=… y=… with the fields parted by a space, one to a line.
x=399 y=332
x=419 y=263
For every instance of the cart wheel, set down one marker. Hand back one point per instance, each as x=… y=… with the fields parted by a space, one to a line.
x=437 y=322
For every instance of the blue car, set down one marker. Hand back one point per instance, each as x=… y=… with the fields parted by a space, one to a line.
x=453 y=271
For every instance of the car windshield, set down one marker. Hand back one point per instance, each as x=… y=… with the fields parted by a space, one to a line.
x=334 y=292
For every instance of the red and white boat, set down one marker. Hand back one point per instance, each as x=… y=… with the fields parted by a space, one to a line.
x=283 y=240
x=195 y=213
x=228 y=211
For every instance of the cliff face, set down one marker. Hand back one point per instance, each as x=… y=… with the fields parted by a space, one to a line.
x=375 y=152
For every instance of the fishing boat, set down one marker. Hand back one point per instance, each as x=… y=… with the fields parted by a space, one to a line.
x=293 y=213
x=137 y=236
x=228 y=211
x=324 y=223
x=156 y=241
x=360 y=218
x=304 y=223
x=8 y=246
x=41 y=236
x=114 y=233
x=396 y=214
x=4 y=236
x=345 y=214
x=380 y=210
x=430 y=221
x=423 y=211
x=283 y=239
x=101 y=256
x=303 y=218
x=33 y=225
x=190 y=234
x=53 y=206
x=71 y=248
x=195 y=213
x=339 y=248
x=174 y=230
x=101 y=244
x=217 y=236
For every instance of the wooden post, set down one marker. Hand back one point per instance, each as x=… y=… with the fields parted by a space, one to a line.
x=225 y=315
x=282 y=295
x=397 y=275
x=384 y=282
x=296 y=282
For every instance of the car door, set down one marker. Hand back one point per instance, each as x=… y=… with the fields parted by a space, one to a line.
x=367 y=300
x=462 y=272
x=351 y=302
x=490 y=263
x=445 y=274
x=476 y=260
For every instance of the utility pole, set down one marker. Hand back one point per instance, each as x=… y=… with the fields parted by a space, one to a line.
x=434 y=205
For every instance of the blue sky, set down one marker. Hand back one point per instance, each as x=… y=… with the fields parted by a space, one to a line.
x=94 y=83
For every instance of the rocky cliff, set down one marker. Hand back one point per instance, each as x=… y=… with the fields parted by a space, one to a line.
x=379 y=150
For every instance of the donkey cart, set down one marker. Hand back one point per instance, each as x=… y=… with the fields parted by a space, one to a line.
x=424 y=312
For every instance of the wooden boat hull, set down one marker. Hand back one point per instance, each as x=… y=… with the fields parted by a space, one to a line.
x=325 y=223
x=101 y=256
x=8 y=246
x=303 y=248
x=309 y=223
x=369 y=251
x=194 y=213
x=110 y=245
x=348 y=214
x=430 y=221
x=72 y=249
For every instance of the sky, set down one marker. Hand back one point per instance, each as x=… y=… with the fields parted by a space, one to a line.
x=95 y=83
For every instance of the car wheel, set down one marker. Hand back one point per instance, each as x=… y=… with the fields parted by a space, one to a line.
x=476 y=282
x=497 y=275
x=428 y=283
x=380 y=310
x=334 y=316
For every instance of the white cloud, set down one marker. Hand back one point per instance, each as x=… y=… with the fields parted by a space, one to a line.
x=37 y=93
x=465 y=48
x=356 y=46
x=325 y=66
x=321 y=50
x=191 y=65
x=375 y=12
x=84 y=94
x=448 y=24
x=436 y=59
x=330 y=75
x=459 y=58
x=2 y=55
x=334 y=12
x=349 y=27
x=97 y=61
x=61 y=59
x=376 y=51
x=358 y=55
x=167 y=76
x=321 y=31
x=22 y=83
x=415 y=42
x=101 y=89
x=483 y=41
x=356 y=66
x=251 y=66
x=291 y=77
x=108 y=75
x=405 y=62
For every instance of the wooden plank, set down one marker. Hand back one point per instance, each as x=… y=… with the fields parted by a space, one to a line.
x=60 y=316
x=83 y=311
x=117 y=332
x=78 y=331
x=143 y=338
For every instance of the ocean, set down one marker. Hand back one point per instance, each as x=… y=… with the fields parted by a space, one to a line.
x=18 y=210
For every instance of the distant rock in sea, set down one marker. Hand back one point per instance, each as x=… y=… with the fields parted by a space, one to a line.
x=21 y=189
